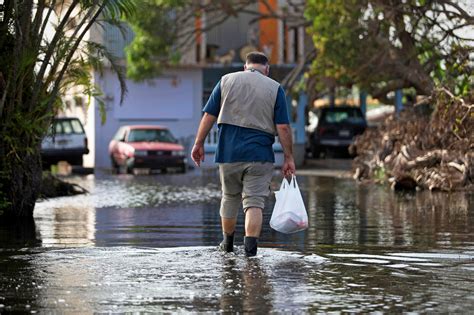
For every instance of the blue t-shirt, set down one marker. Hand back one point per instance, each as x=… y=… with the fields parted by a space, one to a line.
x=240 y=144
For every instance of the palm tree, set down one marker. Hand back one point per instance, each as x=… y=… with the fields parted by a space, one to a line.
x=44 y=51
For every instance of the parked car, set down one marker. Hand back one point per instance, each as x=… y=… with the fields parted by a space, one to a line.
x=149 y=147
x=65 y=141
x=336 y=129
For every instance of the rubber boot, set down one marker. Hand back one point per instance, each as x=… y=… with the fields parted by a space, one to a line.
x=227 y=245
x=250 y=244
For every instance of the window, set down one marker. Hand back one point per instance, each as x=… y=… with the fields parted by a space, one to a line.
x=151 y=135
x=77 y=126
x=57 y=128
x=336 y=116
x=66 y=126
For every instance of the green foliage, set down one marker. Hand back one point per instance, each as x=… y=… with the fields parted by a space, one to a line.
x=386 y=45
x=380 y=174
x=116 y=9
x=4 y=202
x=335 y=34
x=35 y=71
x=454 y=71
x=155 y=31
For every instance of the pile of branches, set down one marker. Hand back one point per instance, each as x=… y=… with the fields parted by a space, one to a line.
x=52 y=187
x=428 y=146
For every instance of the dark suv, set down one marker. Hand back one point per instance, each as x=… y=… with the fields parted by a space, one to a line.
x=336 y=129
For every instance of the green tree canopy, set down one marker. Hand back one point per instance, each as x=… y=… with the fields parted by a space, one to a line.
x=154 y=43
x=385 y=45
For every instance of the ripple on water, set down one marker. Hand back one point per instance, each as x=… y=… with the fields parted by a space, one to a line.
x=114 y=193
x=124 y=278
x=408 y=261
x=130 y=279
x=449 y=256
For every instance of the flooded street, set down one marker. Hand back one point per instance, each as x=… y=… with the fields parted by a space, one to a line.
x=149 y=244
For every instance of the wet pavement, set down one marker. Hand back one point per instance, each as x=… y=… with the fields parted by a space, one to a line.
x=148 y=244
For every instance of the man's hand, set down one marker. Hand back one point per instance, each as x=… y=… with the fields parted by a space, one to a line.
x=288 y=167
x=286 y=141
x=197 y=154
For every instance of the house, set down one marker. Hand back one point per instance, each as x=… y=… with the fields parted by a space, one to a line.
x=175 y=98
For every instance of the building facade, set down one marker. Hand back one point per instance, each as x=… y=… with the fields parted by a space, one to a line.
x=176 y=97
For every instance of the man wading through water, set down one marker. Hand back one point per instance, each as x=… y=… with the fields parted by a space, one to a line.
x=250 y=109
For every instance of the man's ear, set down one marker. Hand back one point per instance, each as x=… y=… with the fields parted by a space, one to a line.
x=267 y=70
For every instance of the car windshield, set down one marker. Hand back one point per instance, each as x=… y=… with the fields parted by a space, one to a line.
x=66 y=126
x=349 y=115
x=151 y=135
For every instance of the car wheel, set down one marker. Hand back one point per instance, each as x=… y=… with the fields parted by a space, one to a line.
x=182 y=169
x=121 y=169
x=115 y=166
x=127 y=168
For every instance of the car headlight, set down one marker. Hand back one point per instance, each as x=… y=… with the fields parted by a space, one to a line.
x=177 y=153
x=140 y=153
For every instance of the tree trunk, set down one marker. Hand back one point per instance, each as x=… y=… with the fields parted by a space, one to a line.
x=20 y=183
x=18 y=232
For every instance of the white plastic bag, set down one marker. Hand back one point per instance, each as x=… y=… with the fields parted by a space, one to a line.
x=289 y=213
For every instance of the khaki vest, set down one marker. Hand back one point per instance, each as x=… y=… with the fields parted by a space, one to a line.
x=248 y=100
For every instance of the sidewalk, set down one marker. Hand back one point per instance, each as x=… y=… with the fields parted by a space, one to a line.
x=326 y=167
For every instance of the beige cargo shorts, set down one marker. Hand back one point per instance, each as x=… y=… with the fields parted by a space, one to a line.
x=244 y=182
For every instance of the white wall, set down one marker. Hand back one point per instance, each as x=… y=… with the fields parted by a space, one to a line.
x=173 y=100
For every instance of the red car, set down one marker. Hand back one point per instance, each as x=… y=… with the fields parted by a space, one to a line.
x=149 y=147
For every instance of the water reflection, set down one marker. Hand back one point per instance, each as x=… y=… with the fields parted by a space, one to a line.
x=163 y=226
x=200 y=279
x=257 y=291
x=367 y=249
x=66 y=226
x=343 y=212
x=245 y=288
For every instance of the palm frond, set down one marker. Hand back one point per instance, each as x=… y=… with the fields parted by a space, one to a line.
x=101 y=50
x=119 y=9
x=121 y=26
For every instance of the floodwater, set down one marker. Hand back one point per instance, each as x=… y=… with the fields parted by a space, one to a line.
x=148 y=244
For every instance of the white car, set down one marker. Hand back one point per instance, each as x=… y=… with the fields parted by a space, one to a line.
x=66 y=141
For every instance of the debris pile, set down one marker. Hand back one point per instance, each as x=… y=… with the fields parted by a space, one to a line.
x=429 y=146
x=52 y=187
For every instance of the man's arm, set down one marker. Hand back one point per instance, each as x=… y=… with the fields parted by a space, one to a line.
x=211 y=112
x=285 y=137
x=282 y=123
x=205 y=126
